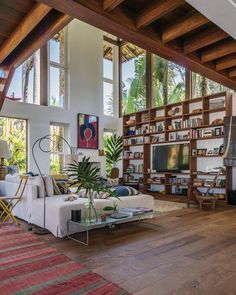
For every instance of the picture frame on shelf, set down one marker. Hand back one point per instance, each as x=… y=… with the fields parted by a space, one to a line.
x=218 y=131
x=216 y=151
x=137 y=155
x=201 y=152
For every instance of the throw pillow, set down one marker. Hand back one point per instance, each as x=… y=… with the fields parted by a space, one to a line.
x=124 y=191
x=111 y=182
x=96 y=195
x=49 y=185
x=60 y=187
x=37 y=180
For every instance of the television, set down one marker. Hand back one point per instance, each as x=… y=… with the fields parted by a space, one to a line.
x=170 y=157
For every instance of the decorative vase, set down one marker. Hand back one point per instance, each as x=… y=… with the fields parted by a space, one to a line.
x=90 y=214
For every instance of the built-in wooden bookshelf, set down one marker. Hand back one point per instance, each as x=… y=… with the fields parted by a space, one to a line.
x=198 y=122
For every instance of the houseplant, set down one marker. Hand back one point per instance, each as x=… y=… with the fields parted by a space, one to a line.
x=85 y=176
x=113 y=147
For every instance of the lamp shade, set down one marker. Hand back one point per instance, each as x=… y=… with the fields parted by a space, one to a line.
x=4 y=150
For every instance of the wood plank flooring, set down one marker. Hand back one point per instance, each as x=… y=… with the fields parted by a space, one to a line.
x=187 y=251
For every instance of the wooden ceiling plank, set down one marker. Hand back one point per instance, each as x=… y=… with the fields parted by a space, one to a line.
x=157 y=10
x=232 y=73
x=109 y=5
x=203 y=39
x=224 y=48
x=92 y=13
x=226 y=62
x=33 y=18
x=54 y=28
x=183 y=26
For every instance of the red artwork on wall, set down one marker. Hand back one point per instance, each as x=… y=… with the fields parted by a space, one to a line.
x=87 y=131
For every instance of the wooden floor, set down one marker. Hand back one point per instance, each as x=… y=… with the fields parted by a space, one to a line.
x=183 y=252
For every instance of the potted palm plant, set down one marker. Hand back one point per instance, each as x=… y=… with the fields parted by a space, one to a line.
x=85 y=176
x=113 y=147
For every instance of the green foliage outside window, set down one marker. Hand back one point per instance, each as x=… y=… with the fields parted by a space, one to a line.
x=168 y=82
x=14 y=131
x=134 y=87
x=202 y=86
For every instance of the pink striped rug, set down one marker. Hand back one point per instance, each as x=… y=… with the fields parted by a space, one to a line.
x=30 y=266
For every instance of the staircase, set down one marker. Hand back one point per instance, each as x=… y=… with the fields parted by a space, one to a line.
x=5 y=80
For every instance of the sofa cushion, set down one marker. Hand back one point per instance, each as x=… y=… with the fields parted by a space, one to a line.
x=49 y=185
x=37 y=180
x=124 y=191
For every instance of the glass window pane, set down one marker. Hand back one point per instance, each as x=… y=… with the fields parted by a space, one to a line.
x=107 y=61
x=26 y=80
x=57 y=48
x=14 y=131
x=159 y=80
x=202 y=86
x=57 y=86
x=108 y=102
x=176 y=83
x=133 y=80
x=57 y=132
x=56 y=163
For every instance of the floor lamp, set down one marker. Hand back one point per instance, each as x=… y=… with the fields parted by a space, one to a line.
x=39 y=143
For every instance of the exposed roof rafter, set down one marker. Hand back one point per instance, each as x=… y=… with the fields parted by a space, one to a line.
x=157 y=10
x=32 y=19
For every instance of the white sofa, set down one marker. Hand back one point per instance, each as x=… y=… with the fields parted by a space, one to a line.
x=58 y=211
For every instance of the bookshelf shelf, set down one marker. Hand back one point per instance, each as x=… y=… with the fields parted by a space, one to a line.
x=201 y=117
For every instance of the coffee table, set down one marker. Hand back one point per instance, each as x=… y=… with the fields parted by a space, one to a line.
x=110 y=222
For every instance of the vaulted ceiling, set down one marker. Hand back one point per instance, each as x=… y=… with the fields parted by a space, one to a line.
x=172 y=29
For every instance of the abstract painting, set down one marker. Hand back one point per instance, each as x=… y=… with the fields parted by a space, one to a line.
x=87 y=131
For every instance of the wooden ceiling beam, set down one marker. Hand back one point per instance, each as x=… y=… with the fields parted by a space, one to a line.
x=203 y=39
x=124 y=27
x=224 y=48
x=33 y=18
x=156 y=10
x=7 y=82
x=109 y=5
x=40 y=39
x=226 y=62
x=232 y=73
x=183 y=26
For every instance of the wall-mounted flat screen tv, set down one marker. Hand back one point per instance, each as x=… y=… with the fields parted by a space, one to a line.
x=170 y=157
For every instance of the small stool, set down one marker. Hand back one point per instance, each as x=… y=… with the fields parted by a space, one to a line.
x=207 y=199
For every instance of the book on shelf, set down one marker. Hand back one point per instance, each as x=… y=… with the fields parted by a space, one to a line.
x=194 y=122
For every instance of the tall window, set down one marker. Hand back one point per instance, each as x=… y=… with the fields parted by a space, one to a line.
x=25 y=84
x=168 y=82
x=159 y=80
x=176 y=83
x=133 y=78
x=203 y=86
x=57 y=156
x=57 y=68
x=14 y=131
x=110 y=62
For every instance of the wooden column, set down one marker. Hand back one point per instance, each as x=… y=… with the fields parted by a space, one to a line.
x=44 y=75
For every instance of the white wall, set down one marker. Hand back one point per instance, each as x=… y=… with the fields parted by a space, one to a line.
x=85 y=89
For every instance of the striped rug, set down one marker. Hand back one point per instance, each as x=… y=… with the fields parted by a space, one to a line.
x=30 y=266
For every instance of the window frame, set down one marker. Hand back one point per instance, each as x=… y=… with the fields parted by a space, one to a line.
x=114 y=81
x=59 y=66
x=65 y=136
x=26 y=137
